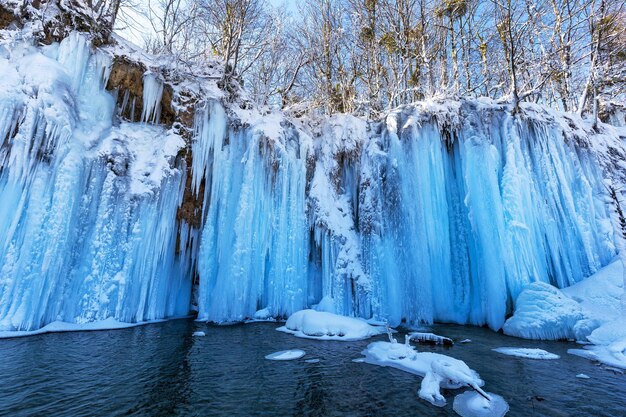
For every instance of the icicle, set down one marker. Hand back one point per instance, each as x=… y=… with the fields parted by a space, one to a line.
x=152 y=95
x=88 y=214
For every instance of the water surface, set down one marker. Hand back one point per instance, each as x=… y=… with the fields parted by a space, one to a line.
x=161 y=370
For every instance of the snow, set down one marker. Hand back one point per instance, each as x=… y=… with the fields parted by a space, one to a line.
x=471 y=404
x=543 y=312
x=311 y=324
x=60 y=327
x=263 y=314
x=589 y=311
x=438 y=371
x=430 y=338
x=528 y=353
x=295 y=214
x=88 y=220
x=286 y=355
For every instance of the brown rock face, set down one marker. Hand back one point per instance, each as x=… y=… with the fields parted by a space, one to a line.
x=6 y=17
x=190 y=210
x=126 y=79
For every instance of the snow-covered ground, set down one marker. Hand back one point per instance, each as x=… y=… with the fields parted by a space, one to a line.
x=59 y=326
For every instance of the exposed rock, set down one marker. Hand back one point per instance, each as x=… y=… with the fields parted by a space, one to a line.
x=126 y=79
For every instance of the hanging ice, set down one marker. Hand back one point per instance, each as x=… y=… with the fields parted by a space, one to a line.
x=254 y=250
x=440 y=212
x=427 y=216
x=88 y=213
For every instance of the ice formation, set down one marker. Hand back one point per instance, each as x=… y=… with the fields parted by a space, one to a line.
x=528 y=353
x=471 y=404
x=589 y=311
x=486 y=208
x=438 y=371
x=286 y=355
x=430 y=338
x=442 y=211
x=88 y=213
x=312 y=324
x=543 y=312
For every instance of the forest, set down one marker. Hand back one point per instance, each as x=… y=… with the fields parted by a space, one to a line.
x=365 y=57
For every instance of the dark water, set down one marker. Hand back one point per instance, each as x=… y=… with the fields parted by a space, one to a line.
x=161 y=370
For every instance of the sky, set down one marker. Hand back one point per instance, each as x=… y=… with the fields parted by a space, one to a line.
x=141 y=25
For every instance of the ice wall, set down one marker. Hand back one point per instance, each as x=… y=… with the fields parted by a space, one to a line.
x=255 y=242
x=88 y=209
x=457 y=212
x=440 y=212
x=434 y=214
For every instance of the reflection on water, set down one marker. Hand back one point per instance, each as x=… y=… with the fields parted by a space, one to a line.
x=161 y=370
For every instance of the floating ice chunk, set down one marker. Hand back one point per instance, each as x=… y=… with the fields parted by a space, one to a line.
x=199 y=334
x=430 y=338
x=583 y=376
x=286 y=355
x=527 y=353
x=439 y=371
x=465 y=341
x=472 y=404
x=312 y=360
x=543 y=312
x=311 y=324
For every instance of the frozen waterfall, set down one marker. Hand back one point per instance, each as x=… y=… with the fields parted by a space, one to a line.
x=88 y=209
x=437 y=213
x=409 y=220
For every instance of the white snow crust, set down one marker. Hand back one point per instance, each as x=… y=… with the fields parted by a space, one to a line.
x=286 y=355
x=528 y=353
x=312 y=324
x=438 y=371
x=472 y=404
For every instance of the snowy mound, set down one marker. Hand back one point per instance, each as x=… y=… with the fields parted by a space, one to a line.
x=286 y=355
x=438 y=371
x=543 y=312
x=589 y=311
x=472 y=404
x=526 y=353
x=311 y=324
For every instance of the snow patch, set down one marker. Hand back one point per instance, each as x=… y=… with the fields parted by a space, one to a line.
x=61 y=327
x=311 y=324
x=438 y=371
x=543 y=312
x=286 y=355
x=527 y=353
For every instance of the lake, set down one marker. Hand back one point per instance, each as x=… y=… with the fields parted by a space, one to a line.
x=162 y=370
